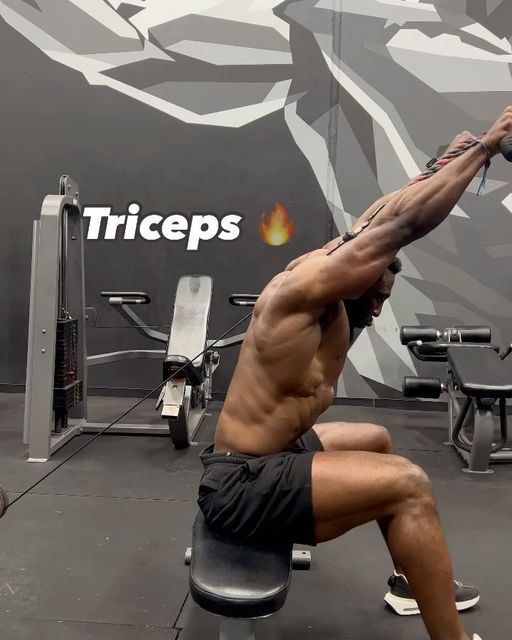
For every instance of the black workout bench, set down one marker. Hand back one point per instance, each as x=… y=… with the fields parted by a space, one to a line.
x=239 y=582
x=483 y=378
x=476 y=371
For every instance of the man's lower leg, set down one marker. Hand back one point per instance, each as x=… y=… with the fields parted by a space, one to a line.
x=417 y=546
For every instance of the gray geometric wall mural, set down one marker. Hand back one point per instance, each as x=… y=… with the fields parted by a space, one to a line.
x=370 y=91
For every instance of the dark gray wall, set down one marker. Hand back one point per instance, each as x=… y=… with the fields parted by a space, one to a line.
x=319 y=104
x=119 y=150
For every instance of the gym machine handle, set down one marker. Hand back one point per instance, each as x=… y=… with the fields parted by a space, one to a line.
x=429 y=351
x=438 y=351
x=412 y=334
x=126 y=297
x=506 y=147
x=243 y=299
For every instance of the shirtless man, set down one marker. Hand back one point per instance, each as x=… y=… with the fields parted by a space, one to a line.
x=262 y=482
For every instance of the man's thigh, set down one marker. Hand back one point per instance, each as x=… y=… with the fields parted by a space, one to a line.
x=353 y=436
x=351 y=488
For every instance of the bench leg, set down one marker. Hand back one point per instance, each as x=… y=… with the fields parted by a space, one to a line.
x=237 y=629
x=482 y=442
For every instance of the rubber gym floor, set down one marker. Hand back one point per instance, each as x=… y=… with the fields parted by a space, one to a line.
x=97 y=550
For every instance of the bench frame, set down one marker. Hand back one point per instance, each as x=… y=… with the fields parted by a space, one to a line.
x=476 y=414
x=472 y=411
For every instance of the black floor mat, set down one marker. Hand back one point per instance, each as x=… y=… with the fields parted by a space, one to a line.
x=96 y=551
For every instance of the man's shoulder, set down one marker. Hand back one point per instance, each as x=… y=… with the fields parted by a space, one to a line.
x=286 y=296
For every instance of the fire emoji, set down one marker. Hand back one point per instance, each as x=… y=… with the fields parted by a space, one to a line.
x=279 y=229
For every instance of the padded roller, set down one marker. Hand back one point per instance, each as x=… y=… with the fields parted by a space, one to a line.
x=411 y=334
x=468 y=334
x=414 y=387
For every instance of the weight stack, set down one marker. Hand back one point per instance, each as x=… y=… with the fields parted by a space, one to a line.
x=67 y=389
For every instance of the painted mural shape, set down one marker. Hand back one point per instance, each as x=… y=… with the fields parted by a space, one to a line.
x=370 y=91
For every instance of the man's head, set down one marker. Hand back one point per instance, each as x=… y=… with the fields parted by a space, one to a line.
x=369 y=305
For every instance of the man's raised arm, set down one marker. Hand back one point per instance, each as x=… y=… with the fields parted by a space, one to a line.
x=461 y=137
x=408 y=215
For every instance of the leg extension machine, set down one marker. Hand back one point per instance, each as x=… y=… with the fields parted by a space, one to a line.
x=476 y=379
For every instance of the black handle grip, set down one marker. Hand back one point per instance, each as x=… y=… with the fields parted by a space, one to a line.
x=506 y=147
x=429 y=351
x=438 y=351
x=126 y=297
x=243 y=299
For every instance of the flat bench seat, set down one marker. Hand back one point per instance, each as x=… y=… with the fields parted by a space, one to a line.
x=237 y=580
x=480 y=372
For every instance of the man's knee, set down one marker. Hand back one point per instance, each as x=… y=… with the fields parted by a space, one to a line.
x=356 y=436
x=382 y=439
x=413 y=482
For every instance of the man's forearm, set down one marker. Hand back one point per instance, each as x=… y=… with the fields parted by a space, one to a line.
x=421 y=207
x=388 y=197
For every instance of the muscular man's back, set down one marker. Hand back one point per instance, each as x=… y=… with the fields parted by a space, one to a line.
x=289 y=361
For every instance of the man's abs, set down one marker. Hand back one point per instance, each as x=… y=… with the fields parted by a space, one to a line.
x=240 y=429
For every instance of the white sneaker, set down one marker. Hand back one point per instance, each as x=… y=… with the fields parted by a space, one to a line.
x=400 y=598
x=475 y=637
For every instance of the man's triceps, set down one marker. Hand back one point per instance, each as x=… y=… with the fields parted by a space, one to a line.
x=355 y=266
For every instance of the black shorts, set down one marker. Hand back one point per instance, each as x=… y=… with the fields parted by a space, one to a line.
x=261 y=498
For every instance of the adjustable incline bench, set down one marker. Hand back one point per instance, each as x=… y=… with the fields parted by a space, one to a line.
x=187 y=355
x=183 y=399
x=475 y=370
x=240 y=582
